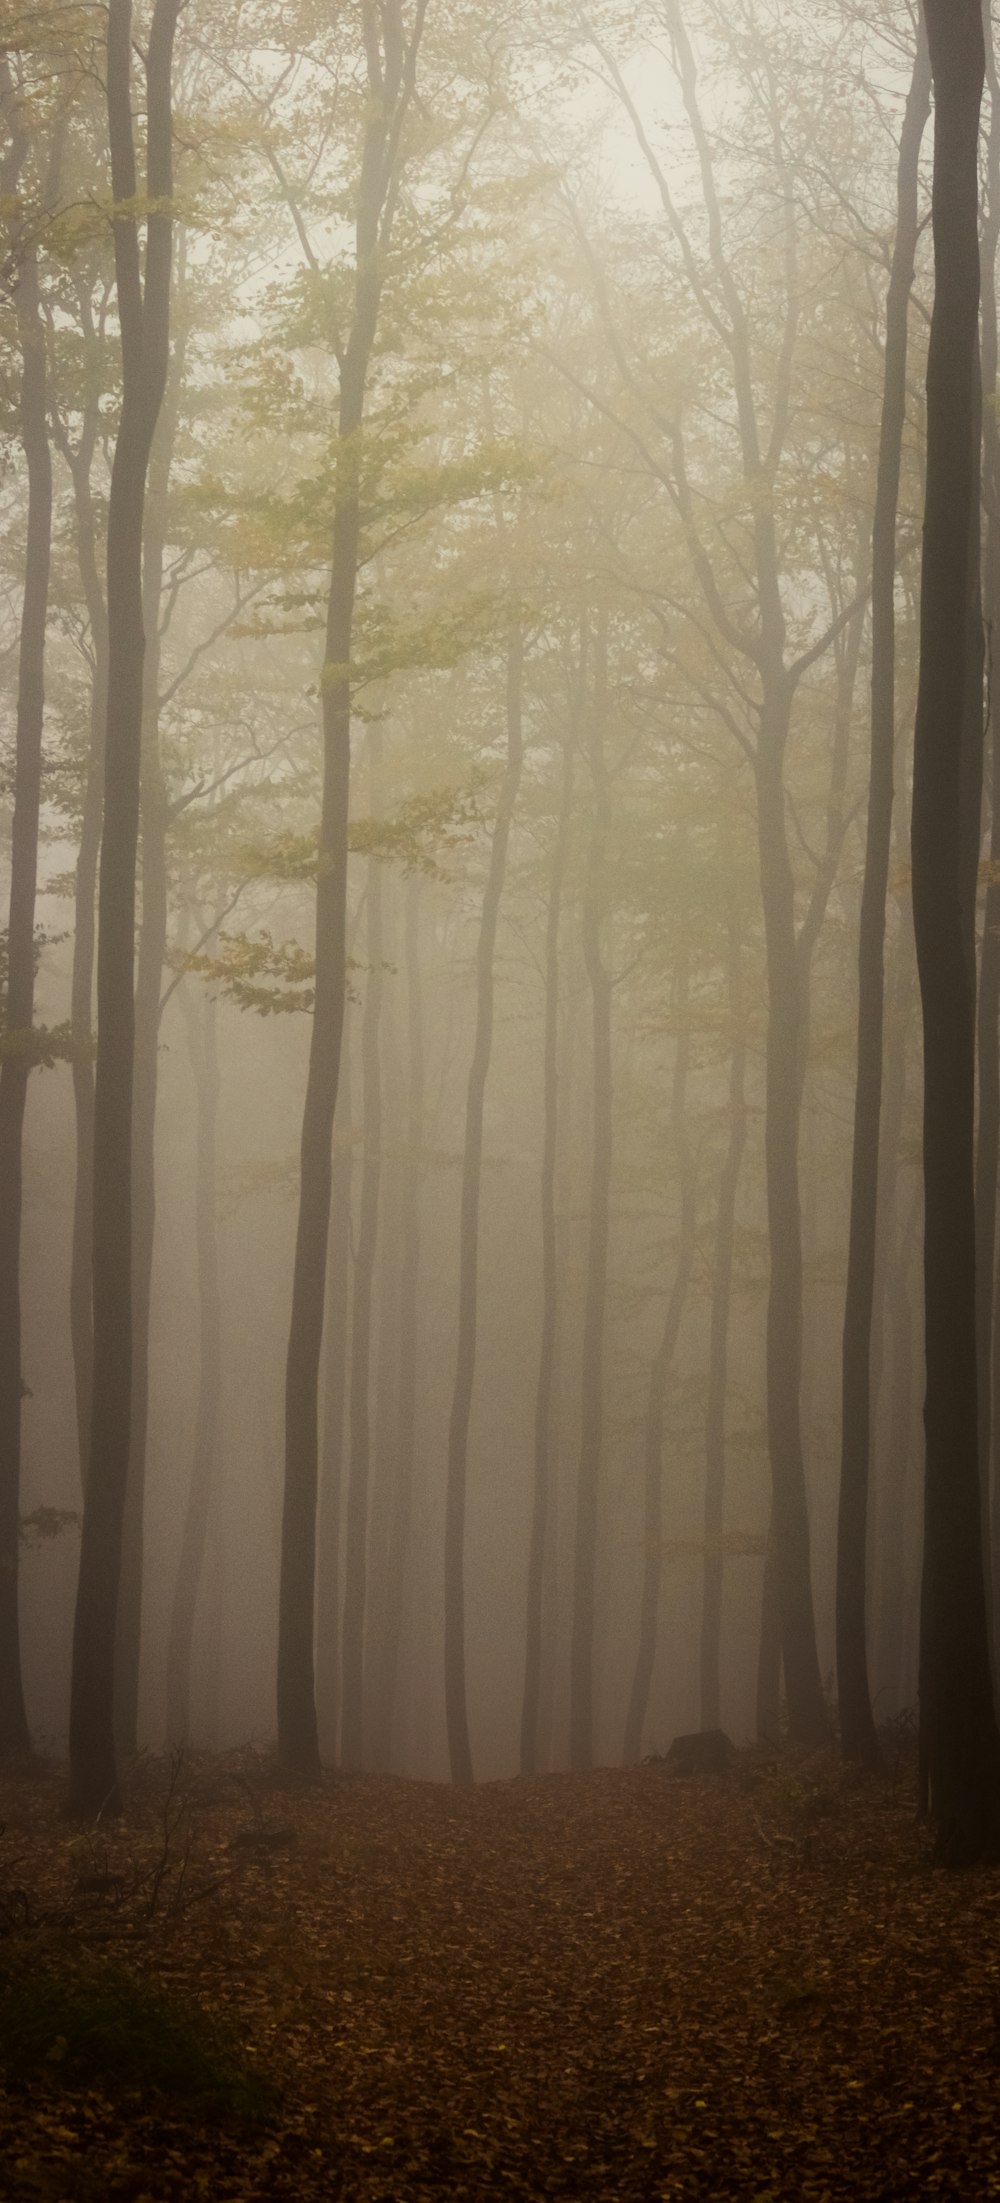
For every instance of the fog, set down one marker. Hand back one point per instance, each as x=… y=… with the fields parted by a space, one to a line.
x=614 y=341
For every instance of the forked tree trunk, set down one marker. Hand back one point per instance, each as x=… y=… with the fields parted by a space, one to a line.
x=456 y=1707
x=391 y=79
x=961 y=1746
x=652 y=1520
x=718 y=1348
x=857 y=1727
x=15 y=1063
x=535 y=1618
x=144 y=308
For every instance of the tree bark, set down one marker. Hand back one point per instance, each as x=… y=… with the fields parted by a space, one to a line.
x=15 y=1063
x=857 y=1727
x=535 y=1619
x=391 y=76
x=356 y=1525
x=962 y=1749
x=144 y=308
x=988 y=1020
x=335 y=1348
x=722 y=1286
x=80 y=463
x=408 y=1321
x=200 y=1019
x=785 y=1051
x=652 y=1544
x=456 y=1709
x=154 y=820
x=581 y=1712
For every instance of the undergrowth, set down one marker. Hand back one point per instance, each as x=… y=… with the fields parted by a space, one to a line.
x=99 y=2027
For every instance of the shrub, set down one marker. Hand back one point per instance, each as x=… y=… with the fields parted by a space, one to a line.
x=104 y=2029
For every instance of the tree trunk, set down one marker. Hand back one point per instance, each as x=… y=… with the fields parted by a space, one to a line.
x=806 y=1710
x=144 y=309
x=356 y=1525
x=722 y=1286
x=768 y=1690
x=652 y=1542
x=857 y=1727
x=891 y=1607
x=200 y=1024
x=81 y=1319
x=581 y=1713
x=535 y=1619
x=153 y=808
x=988 y=1020
x=456 y=1709
x=397 y=1553
x=15 y=1063
x=335 y=1338
x=391 y=77
x=961 y=1745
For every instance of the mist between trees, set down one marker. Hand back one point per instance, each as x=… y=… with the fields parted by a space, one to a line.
x=463 y=627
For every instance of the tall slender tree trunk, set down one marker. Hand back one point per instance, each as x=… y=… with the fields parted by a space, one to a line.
x=652 y=1524
x=857 y=1727
x=892 y=1585
x=391 y=62
x=988 y=1020
x=803 y=1685
x=80 y=462
x=535 y=1619
x=15 y=1062
x=335 y=1347
x=200 y=1020
x=356 y=1525
x=385 y=1371
x=718 y=1348
x=961 y=1746
x=581 y=1712
x=386 y=1680
x=144 y=309
x=456 y=1709
x=767 y=1715
x=154 y=819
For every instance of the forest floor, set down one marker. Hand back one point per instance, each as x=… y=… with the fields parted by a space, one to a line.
x=614 y=1985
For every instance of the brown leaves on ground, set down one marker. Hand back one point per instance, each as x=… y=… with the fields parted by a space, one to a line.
x=613 y=1985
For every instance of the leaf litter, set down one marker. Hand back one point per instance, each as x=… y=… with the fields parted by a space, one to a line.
x=626 y=1984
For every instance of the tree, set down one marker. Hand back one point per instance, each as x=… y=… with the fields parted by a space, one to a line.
x=18 y=1043
x=722 y=1282
x=652 y=1557
x=456 y=1708
x=751 y=625
x=200 y=1021
x=960 y=1740
x=359 y=1422
x=857 y=1727
x=534 y=1620
x=391 y=65
x=144 y=320
x=581 y=1716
